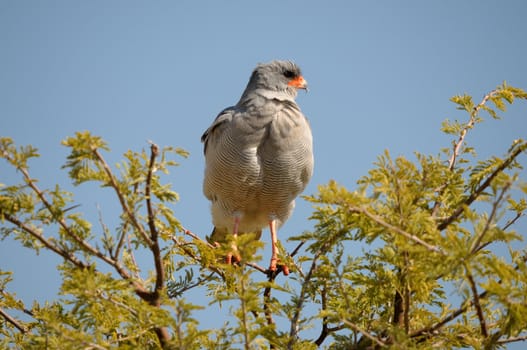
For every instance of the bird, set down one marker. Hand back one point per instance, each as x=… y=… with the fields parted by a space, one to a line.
x=258 y=158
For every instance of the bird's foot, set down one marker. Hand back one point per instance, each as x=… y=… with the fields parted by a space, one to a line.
x=275 y=264
x=232 y=259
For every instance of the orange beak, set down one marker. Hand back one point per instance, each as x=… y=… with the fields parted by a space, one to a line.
x=298 y=82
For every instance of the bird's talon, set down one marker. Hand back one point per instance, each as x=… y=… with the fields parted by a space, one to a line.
x=273 y=265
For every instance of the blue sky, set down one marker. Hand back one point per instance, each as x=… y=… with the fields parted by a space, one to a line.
x=380 y=76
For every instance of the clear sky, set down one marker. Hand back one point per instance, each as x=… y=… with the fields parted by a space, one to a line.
x=380 y=76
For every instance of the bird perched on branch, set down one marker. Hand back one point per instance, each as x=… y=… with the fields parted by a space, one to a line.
x=259 y=157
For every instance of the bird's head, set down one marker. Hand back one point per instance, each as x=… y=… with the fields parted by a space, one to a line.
x=282 y=77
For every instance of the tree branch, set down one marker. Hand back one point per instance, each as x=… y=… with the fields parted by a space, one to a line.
x=324 y=332
x=49 y=245
x=23 y=329
x=122 y=201
x=470 y=124
x=462 y=309
x=154 y=246
x=293 y=331
x=459 y=143
x=83 y=243
x=476 y=244
x=395 y=229
x=476 y=303
x=474 y=195
x=512 y=339
x=124 y=235
x=363 y=332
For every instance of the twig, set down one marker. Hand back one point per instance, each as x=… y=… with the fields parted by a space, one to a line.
x=193 y=285
x=396 y=229
x=462 y=309
x=476 y=303
x=324 y=332
x=108 y=298
x=196 y=237
x=258 y=267
x=154 y=246
x=23 y=329
x=293 y=331
x=84 y=244
x=512 y=339
x=474 y=195
x=191 y=254
x=459 y=143
x=267 y=301
x=295 y=251
x=469 y=125
x=122 y=201
x=454 y=314
x=363 y=332
x=49 y=245
x=132 y=257
x=476 y=244
x=124 y=235
x=105 y=231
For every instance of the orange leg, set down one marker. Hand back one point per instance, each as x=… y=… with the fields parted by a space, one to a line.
x=231 y=255
x=274 y=254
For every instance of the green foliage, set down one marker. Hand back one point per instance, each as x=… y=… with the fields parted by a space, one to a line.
x=429 y=275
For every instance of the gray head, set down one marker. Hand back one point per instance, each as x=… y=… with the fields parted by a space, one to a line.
x=282 y=77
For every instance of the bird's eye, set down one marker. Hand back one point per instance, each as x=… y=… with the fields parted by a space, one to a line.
x=289 y=74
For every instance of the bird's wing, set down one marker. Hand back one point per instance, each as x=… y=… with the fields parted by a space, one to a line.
x=217 y=126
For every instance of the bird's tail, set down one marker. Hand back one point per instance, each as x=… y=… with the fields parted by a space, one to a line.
x=219 y=235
